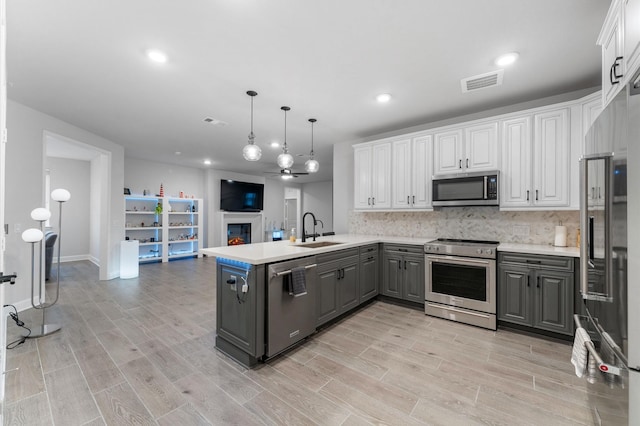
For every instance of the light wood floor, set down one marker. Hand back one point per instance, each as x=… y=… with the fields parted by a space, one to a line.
x=141 y=351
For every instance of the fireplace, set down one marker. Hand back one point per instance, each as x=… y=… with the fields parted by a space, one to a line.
x=238 y=233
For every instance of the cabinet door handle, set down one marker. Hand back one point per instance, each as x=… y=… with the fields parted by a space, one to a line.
x=414 y=199
x=536 y=195
x=593 y=192
x=373 y=200
x=400 y=264
x=613 y=72
x=369 y=201
x=538 y=282
x=405 y=264
x=460 y=163
x=467 y=163
x=527 y=195
x=407 y=199
x=533 y=261
x=599 y=192
x=528 y=284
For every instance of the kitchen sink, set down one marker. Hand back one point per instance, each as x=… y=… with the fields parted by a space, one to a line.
x=317 y=244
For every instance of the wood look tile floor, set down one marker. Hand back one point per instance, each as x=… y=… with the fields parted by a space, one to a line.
x=141 y=351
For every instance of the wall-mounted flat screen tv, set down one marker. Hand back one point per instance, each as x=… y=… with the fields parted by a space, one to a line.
x=238 y=196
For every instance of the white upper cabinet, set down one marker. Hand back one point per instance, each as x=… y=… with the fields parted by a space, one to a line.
x=515 y=179
x=470 y=148
x=551 y=158
x=411 y=173
x=447 y=152
x=535 y=175
x=632 y=34
x=372 y=176
x=620 y=42
x=481 y=147
x=612 y=50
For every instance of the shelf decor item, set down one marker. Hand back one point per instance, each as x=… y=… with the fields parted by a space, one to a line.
x=161 y=190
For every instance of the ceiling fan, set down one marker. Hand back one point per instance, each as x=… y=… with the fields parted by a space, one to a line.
x=287 y=173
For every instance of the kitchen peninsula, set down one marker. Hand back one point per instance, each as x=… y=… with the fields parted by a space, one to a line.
x=258 y=314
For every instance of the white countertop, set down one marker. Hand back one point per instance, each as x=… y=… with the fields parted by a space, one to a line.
x=277 y=251
x=540 y=249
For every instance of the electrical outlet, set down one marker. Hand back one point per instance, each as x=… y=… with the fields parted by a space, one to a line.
x=520 y=230
x=17 y=228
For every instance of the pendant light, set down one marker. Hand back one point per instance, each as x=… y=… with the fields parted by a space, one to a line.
x=311 y=166
x=251 y=151
x=285 y=160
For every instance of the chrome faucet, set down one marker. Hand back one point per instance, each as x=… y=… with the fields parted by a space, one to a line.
x=304 y=232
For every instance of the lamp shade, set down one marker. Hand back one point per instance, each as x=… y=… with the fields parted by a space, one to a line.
x=60 y=195
x=32 y=235
x=285 y=160
x=40 y=214
x=311 y=166
x=251 y=152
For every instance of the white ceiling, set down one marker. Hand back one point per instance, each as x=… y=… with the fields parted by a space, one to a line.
x=83 y=62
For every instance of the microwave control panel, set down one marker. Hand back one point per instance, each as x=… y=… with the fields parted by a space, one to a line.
x=492 y=187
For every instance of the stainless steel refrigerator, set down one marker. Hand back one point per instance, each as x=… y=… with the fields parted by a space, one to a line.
x=610 y=259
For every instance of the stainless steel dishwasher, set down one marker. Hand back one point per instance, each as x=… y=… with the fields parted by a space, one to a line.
x=290 y=319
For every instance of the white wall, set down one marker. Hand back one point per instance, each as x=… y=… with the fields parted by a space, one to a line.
x=75 y=177
x=317 y=198
x=95 y=212
x=142 y=174
x=25 y=190
x=342 y=186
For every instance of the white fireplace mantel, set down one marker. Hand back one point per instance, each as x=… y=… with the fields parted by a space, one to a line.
x=254 y=218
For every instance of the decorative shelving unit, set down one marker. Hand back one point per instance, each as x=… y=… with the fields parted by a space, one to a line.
x=172 y=233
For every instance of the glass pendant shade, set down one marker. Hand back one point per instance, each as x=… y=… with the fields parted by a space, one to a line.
x=251 y=151
x=285 y=160
x=311 y=166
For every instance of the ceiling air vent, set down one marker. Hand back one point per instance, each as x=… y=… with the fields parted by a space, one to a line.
x=482 y=81
x=215 y=122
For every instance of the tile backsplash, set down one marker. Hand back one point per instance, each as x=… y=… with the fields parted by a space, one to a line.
x=479 y=223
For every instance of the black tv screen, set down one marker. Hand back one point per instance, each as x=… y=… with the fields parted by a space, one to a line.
x=238 y=196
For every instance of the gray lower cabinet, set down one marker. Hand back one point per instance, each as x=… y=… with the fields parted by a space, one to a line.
x=536 y=291
x=403 y=272
x=369 y=272
x=338 y=289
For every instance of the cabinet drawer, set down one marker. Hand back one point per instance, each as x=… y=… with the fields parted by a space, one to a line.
x=370 y=248
x=404 y=248
x=558 y=263
x=337 y=255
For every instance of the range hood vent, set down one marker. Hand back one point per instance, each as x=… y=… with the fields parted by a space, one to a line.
x=482 y=81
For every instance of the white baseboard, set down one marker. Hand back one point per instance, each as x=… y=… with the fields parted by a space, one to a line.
x=74 y=258
x=22 y=305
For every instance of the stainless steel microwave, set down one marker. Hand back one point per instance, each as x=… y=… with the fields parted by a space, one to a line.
x=467 y=189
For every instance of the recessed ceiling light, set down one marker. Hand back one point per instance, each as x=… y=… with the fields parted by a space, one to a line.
x=275 y=145
x=506 y=59
x=383 y=98
x=207 y=162
x=157 y=56
x=178 y=153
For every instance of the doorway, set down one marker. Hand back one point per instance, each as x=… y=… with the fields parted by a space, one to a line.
x=292 y=210
x=96 y=199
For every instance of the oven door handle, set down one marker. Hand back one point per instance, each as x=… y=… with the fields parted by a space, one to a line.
x=458 y=260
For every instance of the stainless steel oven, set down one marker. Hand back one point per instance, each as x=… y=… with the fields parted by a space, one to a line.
x=461 y=281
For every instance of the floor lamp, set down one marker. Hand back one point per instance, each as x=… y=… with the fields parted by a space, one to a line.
x=41 y=215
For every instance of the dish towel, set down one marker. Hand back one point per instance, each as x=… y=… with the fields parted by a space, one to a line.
x=298 y=283
x=580 y=353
